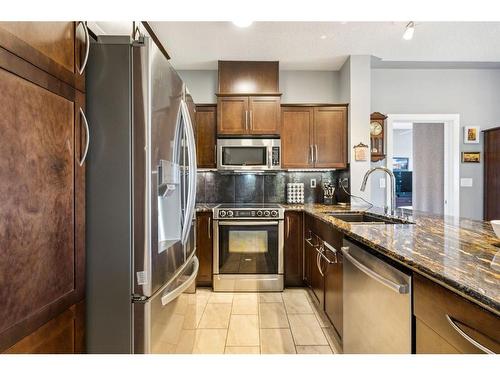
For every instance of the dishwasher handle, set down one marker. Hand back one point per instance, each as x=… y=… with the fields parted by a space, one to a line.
x=398 y=288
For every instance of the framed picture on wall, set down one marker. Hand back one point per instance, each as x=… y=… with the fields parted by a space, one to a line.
x=471 y=157
x=471 y=134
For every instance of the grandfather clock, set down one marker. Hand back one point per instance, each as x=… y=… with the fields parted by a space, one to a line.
x=377 y=134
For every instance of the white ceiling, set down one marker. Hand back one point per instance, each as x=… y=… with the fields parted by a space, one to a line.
x=299 y=46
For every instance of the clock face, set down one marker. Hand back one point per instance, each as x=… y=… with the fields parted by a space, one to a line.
x=375 y=128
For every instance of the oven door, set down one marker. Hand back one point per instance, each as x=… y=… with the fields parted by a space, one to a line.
x=248 y=247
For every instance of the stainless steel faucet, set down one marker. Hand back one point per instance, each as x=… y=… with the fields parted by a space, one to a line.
x=393 y=184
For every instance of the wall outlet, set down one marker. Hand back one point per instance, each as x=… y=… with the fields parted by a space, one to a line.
x=344 y=182
x=466 y=182
x=382 y=183
x=313 y=182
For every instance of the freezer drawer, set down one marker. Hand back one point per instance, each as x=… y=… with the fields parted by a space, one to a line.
x=377 y=304
x=160 y=321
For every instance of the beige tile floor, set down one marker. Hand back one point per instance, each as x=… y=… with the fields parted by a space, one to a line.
x=253 y=323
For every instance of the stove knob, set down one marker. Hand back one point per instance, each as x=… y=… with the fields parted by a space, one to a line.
x=266 y=213
x=274 y=213
x=230 y=213
x=259 y=213
x=222 y=213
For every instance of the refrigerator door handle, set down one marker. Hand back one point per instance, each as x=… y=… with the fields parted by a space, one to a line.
x=191 y=146
x=171 y=295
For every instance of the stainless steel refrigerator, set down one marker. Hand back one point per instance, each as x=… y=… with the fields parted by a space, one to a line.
x=141 y=189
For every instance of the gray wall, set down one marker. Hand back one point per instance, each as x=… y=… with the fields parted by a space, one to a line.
x=202 y=84
x=297 y=86
x=403 y=145
x=472 y=93
x=301 y=86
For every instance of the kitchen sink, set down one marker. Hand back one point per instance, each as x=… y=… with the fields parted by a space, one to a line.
x=366 y=218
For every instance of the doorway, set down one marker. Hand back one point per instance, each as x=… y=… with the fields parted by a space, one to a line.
x=423 y=152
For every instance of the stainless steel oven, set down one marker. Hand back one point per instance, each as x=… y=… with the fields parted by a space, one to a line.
x=248 y=154
x=248 y=248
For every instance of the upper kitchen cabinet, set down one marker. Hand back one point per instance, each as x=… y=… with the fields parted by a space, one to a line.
x=248 y=98
x=206 y=132
x=232 y=115
x=58 y=48
x=330 y=137
x=297 y=129
x=314 y=136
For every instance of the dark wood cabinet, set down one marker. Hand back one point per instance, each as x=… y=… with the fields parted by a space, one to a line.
x=58 y=48
x=232 y=115
x=444 y=319
x=313 y=276
x=248 y=115
x=314 y=136
x=330 y=137
x=204 y=247
x=248 y=77
x=491 y=174
x=43 y=184
x=294 y=234
x=264 y=114
x=333 y=281
x=206 y=135
x=62 y=335
x=296 y=133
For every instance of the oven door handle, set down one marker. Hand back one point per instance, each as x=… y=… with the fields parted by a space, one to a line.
x=248 y=223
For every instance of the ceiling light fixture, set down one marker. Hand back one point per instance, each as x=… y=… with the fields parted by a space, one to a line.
x=322 y=37
x=410 y=30
x=242 y=23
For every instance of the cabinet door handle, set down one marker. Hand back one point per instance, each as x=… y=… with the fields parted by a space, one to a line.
x=316 y=149
x=215 y=154
x=208 y=227
x=312 y=153
x=467 y=337
x=87 y=143
x=287 y=226
x=250 y=115
x=81 y=69
x=246 y=120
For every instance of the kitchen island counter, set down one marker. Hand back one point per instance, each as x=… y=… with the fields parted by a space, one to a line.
x=460 y=254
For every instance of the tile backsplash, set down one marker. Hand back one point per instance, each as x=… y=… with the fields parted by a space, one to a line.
x=219 y=187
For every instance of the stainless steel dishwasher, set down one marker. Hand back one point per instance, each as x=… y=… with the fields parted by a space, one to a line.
x=377 y=304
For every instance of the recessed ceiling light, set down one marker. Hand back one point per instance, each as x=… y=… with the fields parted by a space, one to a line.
x=242 y=23
x=322 y=37
x=410 y=30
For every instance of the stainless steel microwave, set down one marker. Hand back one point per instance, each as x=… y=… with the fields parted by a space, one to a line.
x=248 y=154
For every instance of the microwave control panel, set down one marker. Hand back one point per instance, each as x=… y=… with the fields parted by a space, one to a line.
x=275 y=156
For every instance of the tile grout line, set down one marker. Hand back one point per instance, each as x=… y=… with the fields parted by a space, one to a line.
x=289 y=325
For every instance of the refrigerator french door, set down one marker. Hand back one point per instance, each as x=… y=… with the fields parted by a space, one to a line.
x=142 y=182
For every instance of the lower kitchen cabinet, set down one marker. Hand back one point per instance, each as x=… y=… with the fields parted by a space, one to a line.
x=448 y=323
x=204 y=247
x=333 y=291
x=294 y=233
x=314 y=275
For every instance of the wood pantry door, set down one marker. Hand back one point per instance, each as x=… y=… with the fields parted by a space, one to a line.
x=39 y=267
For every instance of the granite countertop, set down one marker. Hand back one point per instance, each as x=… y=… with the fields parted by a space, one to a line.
x=461 y=254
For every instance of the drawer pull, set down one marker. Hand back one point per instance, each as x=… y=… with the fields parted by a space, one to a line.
x=467 y=337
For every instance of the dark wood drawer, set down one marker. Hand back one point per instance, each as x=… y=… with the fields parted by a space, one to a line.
x=453 y=318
